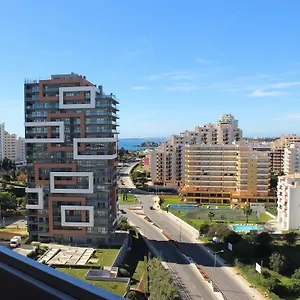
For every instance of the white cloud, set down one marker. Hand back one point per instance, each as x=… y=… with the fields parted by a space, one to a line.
x=182 y=87
x=204 y=61
x=262 y=93
x=289 y=117
x=140 y=88
x=283 y=85
x=174 y=76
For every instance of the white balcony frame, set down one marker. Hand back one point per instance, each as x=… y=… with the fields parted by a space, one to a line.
x=90 y=209
x=40 y=193
x=59 y=124
x=91 y=89
x=93 y=140
x=54 y=190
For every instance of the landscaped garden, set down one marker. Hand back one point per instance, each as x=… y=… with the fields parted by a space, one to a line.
x=127 y=199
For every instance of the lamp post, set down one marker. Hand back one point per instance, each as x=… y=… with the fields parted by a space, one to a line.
x=215 y=264
x=180 y=230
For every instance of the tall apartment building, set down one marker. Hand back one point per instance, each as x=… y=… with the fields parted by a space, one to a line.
x=20 y=150
x=226 y=174
x=291 y=159
x=71 y=152
x=10 y=146
x=288 y=204
x=168 y=162
x=2 y=137
x=277 y=151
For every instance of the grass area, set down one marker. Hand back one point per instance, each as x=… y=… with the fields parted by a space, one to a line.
x=167 y=201
x=263 y=217
x=197 y=222
x=139 y=168
x=139 y=271
x=114 y=287
x=272 y=210
x=7 y=233
x=105 y=257
x=131 y=199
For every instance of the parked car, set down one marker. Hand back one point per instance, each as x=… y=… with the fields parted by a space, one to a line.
x=15 y=241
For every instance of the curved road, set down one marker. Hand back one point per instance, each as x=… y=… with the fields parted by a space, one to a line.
x=224 y=278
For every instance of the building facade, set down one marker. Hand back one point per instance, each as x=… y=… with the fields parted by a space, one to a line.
x=2 y=143
x=20 y=150
x=291 y=159
x=10 y=146
x=226 y=174
x=71 y=153
x=168 y=160
x=288 y=205
x=277 y=151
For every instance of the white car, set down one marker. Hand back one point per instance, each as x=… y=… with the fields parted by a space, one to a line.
x=15 y=241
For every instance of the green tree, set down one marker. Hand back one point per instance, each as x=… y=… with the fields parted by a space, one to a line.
x=296 y=274
x=247 y=211
x=204 y=228
x=232 y=237
x=210 y=215
x=291 y=238
x=278 y=262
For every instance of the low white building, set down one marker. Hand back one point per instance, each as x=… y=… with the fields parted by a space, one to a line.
x=288 y=205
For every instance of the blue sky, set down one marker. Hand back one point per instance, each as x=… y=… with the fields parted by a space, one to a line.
x=173 y=64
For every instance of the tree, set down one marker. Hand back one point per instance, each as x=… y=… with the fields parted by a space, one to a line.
x=232 y=237
x=204 y=228
x=121 y=152
x=247 y=211
x=278 y=262
x=263 y=244
x=291 y=238
x=296 y=274
x=223 y=217
x=210 y=215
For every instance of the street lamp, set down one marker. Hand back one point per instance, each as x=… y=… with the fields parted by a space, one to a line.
x=180 y=230
x=215 y=264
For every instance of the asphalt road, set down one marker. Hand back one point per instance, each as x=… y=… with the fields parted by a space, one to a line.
x=228 y=285
x=224 y=280
x=187 y=278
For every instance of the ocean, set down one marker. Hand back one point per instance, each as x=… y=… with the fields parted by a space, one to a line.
x=131 y=144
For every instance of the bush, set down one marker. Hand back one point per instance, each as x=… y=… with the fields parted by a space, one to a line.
x=266 y=274
x=219 y=230
x=278 y=262
x=204 y=228
x=291 y=238
x=296 y=274
x=232 y=237
x=244 y=251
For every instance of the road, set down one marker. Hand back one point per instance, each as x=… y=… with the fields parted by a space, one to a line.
x=225 y=279
x=188 y=278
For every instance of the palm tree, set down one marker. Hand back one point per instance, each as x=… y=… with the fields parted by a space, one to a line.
x=211 y=214
x=247 y=211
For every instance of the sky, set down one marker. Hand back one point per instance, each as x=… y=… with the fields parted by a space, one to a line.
x=173 y=64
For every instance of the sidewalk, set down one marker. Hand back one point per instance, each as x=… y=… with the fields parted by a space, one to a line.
x=231 y=271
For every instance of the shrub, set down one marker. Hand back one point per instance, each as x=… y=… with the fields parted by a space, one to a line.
x=244 y=251
x=219 y=230
x=232 y=237
x=296 y=274
x=204 y=228
x=266 y=274
x=278 y=262
x=290 y=238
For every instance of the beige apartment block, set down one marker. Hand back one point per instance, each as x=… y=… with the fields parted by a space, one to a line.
x=277 y=151
x=226 y=174
x=10 y=146
x=291 y=159
x=168 y=160
x=288 y=205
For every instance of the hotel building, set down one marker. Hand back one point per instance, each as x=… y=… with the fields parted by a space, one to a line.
x=71 y=152
x=288 y=205
x=168 y=160
x=226 y=174
x=277 y=151
x=291 y=159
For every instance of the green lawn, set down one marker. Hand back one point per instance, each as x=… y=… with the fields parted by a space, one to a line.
x=114 y=287
x=105 y=257
x=263 y=217
x=131 y=199
x=167 y=201
x=272 y=210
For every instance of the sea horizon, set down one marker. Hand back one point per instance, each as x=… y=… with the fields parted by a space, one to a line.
x=132 y=144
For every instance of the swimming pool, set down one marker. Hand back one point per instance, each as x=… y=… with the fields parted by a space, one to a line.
x=246 y=228
x=174 y=206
